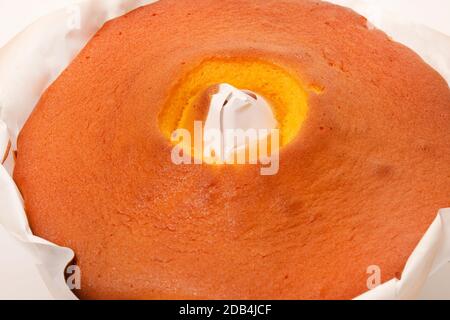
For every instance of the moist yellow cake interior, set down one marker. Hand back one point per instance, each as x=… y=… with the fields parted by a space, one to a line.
x=282 y=90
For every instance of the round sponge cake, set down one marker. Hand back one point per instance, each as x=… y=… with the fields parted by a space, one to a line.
x=364 y=163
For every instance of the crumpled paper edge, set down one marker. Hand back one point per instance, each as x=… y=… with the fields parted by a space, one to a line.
x=17 y=102
x=21 y=85
x=431 y=45
x=432 y=252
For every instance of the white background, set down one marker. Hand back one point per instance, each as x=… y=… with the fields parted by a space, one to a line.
x=17 y=14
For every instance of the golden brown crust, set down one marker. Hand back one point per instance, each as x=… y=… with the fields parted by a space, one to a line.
x=359 y=185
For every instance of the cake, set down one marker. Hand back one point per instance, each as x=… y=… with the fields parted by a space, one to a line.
x=364 y=158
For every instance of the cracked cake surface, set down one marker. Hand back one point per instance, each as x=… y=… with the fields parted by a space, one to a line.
x=358 y=184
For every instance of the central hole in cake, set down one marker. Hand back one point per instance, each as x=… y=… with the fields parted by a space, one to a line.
x=190 y=99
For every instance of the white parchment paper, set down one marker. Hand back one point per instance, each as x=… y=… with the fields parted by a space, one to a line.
x=32 y=268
